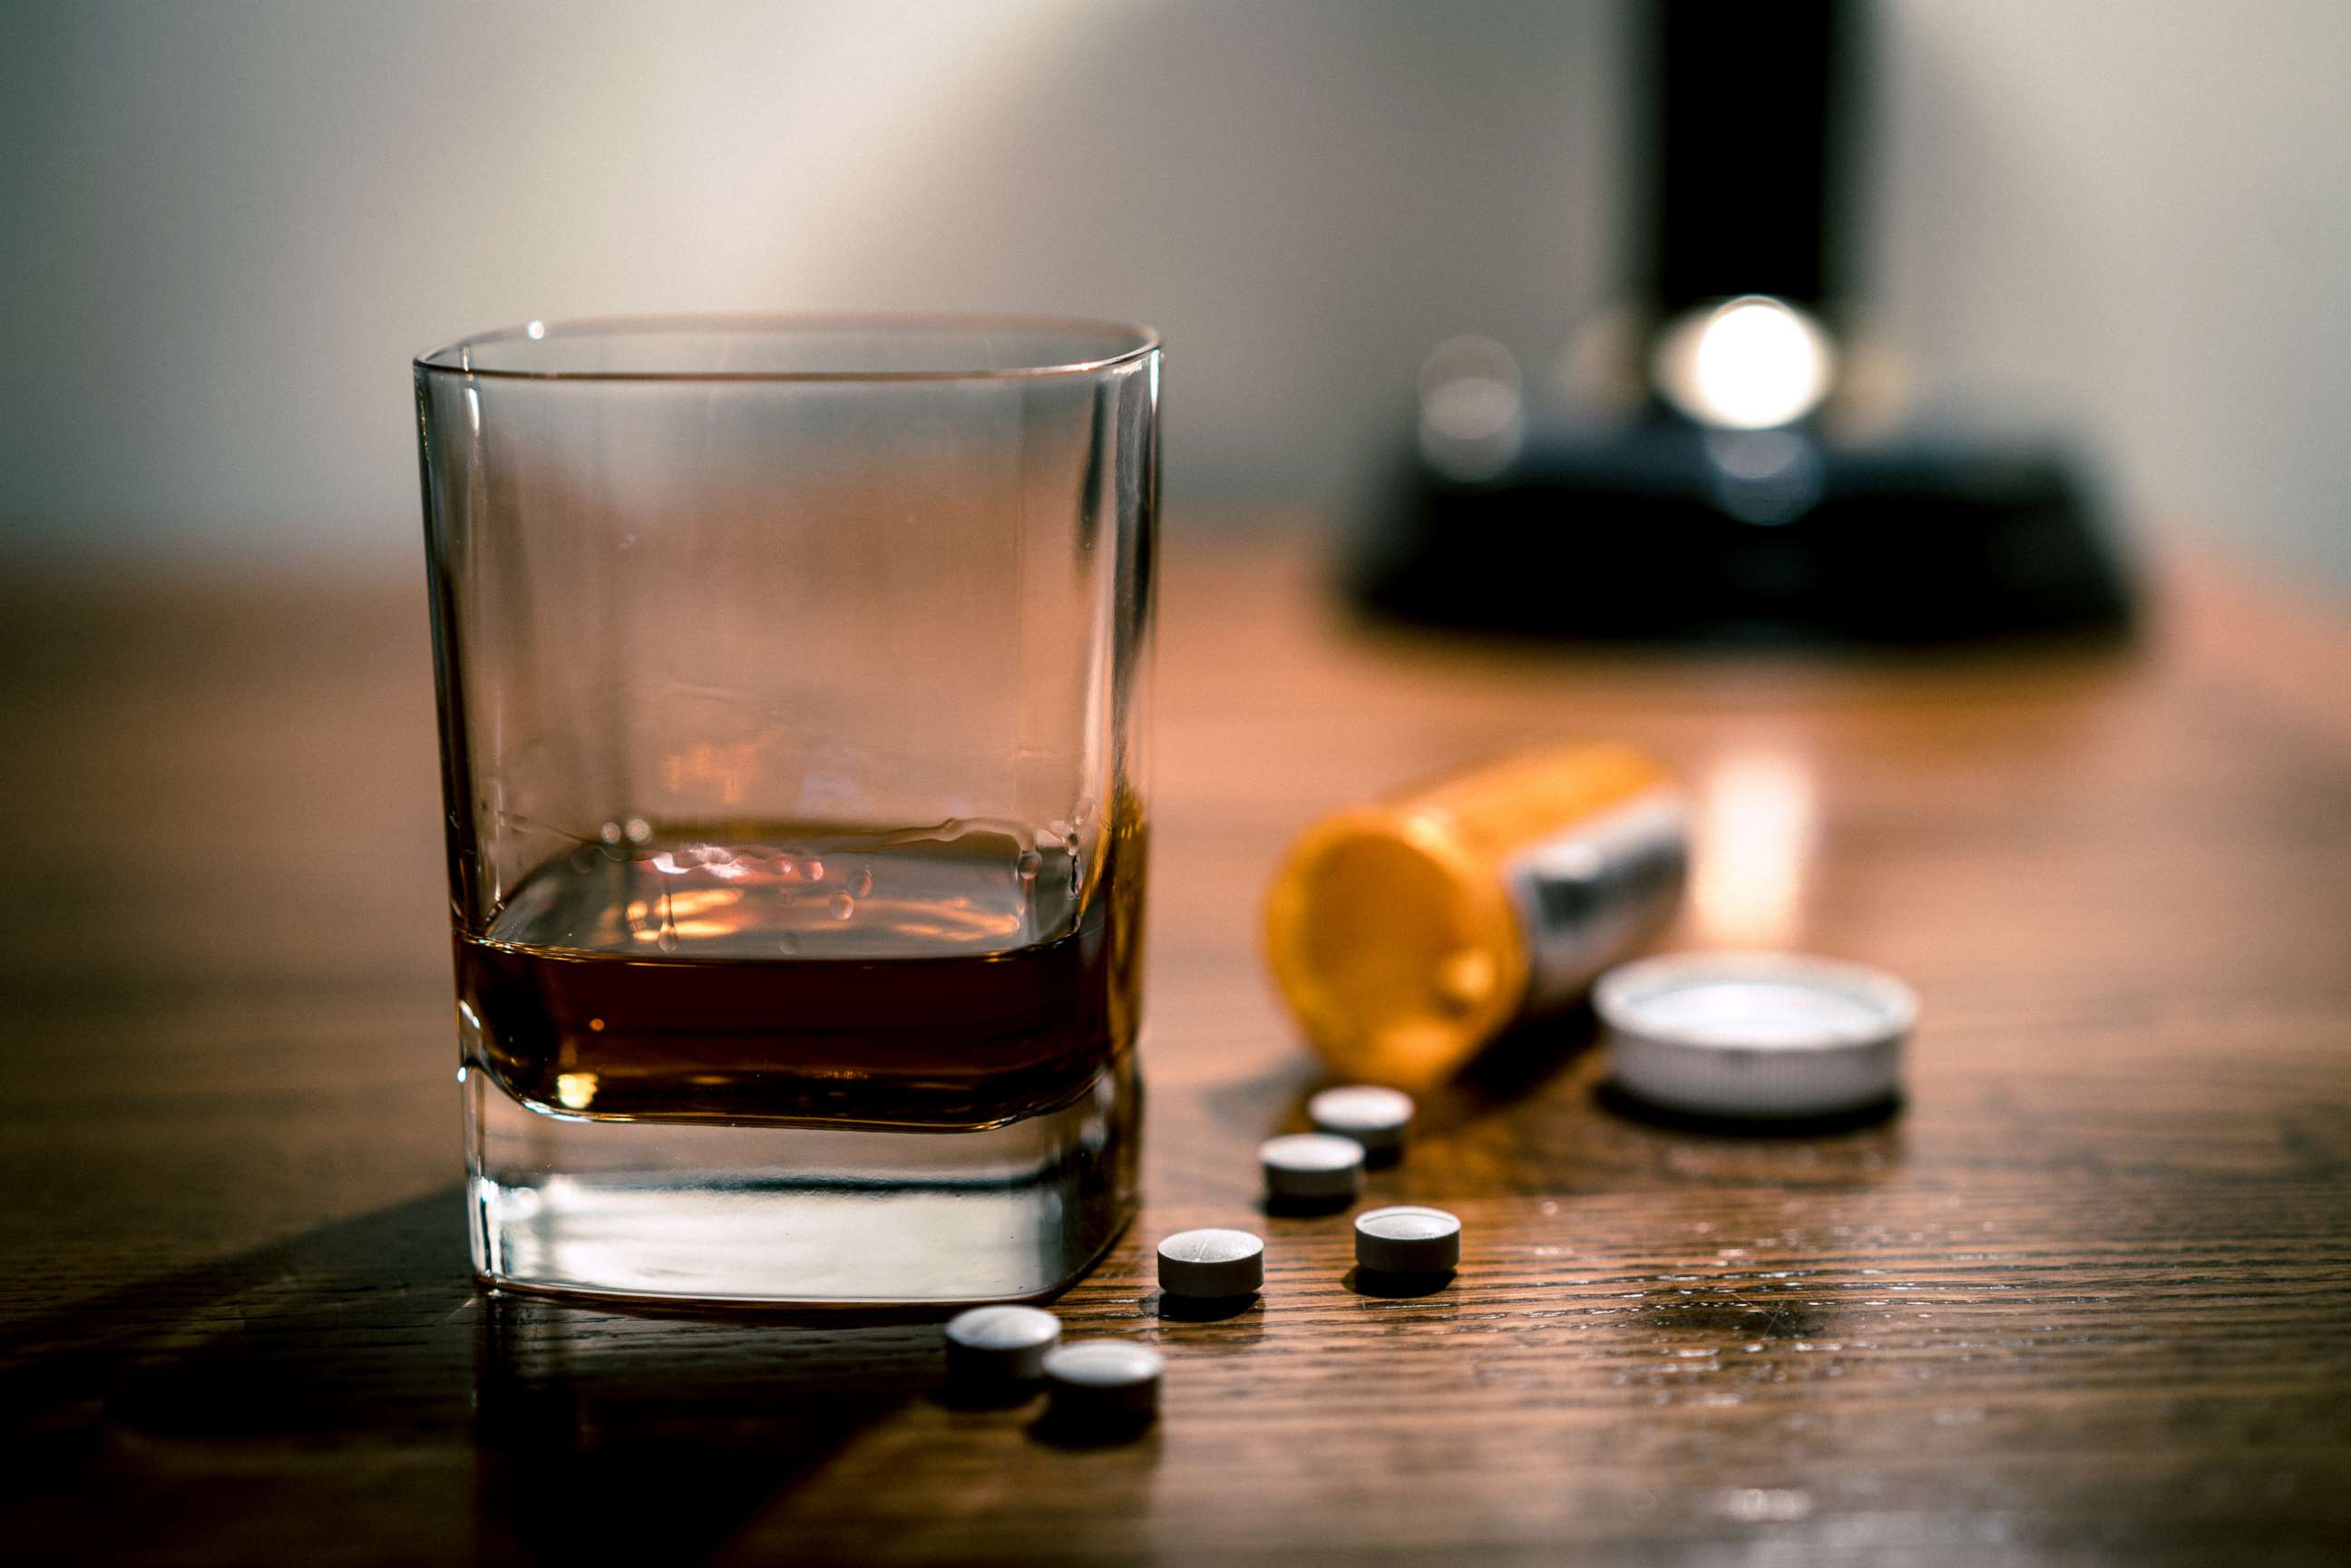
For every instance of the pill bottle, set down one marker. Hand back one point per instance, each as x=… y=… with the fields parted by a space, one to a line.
x=1408 y=935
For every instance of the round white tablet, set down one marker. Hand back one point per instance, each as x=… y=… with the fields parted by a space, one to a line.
x=1211 y=1264
x=1103 y=1379
x=1313 y=1165
x=1000 y=1344
x=1373 y=1116
x=1755 y=1034
x=1406 y=1239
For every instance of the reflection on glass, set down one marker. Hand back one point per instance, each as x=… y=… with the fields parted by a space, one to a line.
x=1472 y=414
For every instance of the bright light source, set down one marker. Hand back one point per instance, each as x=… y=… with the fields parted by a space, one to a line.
x=536 y=329
x=1747 y=364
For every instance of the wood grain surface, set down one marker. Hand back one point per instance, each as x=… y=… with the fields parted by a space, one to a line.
x=2086 y=1298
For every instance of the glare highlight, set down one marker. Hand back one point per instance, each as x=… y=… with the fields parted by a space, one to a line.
x=1753 y=839
x=1752 y=363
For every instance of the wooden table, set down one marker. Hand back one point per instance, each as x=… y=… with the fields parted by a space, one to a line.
x=2086 y=1298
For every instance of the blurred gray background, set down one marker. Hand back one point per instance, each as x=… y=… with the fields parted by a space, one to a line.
x=229 y=225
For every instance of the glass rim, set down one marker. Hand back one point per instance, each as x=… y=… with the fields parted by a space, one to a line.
x=453 y=359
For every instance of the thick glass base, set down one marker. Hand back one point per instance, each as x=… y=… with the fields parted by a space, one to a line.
x=784 y=1215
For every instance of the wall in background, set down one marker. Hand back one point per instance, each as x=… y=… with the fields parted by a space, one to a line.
x=230 y=225
x=2137 y=213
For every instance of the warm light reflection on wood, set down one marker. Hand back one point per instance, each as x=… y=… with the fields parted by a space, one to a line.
x=1753 y=843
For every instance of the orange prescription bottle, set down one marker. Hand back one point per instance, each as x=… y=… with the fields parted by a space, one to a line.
x=1407 y=935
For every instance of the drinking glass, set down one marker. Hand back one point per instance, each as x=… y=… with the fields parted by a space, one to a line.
x=793 y=676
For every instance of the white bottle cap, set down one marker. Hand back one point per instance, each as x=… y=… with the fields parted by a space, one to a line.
x=1374 y=1116
x=1755 y=1034
x=1004 y=1345
x=1211 y=1265
x=1406 y=1239
x=1312 y=1165
x=1103 y=1380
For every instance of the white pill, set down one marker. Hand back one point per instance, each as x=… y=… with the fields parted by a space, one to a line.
x=1211 y=1264
x=1373 y=1116
x=1000 y=1344
x=1407 y=1239
x=1099 y=1380
x=1312 y=1165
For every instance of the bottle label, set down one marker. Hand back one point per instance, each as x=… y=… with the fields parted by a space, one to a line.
x=1592 y=894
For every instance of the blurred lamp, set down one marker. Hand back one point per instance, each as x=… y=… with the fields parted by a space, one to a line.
x=1711 y=496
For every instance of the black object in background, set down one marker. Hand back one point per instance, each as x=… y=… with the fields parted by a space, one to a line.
x=1746 y=114
x=1694 y=521
x=1643 y=533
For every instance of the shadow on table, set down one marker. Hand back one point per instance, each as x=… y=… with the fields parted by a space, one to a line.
x=352 y=1390
x=1614 y=1097
x=1526 y=1059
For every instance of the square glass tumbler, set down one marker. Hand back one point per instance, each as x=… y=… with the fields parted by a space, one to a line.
x=793 y=676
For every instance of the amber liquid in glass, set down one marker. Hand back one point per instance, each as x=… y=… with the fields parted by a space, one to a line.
x=957 y=977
